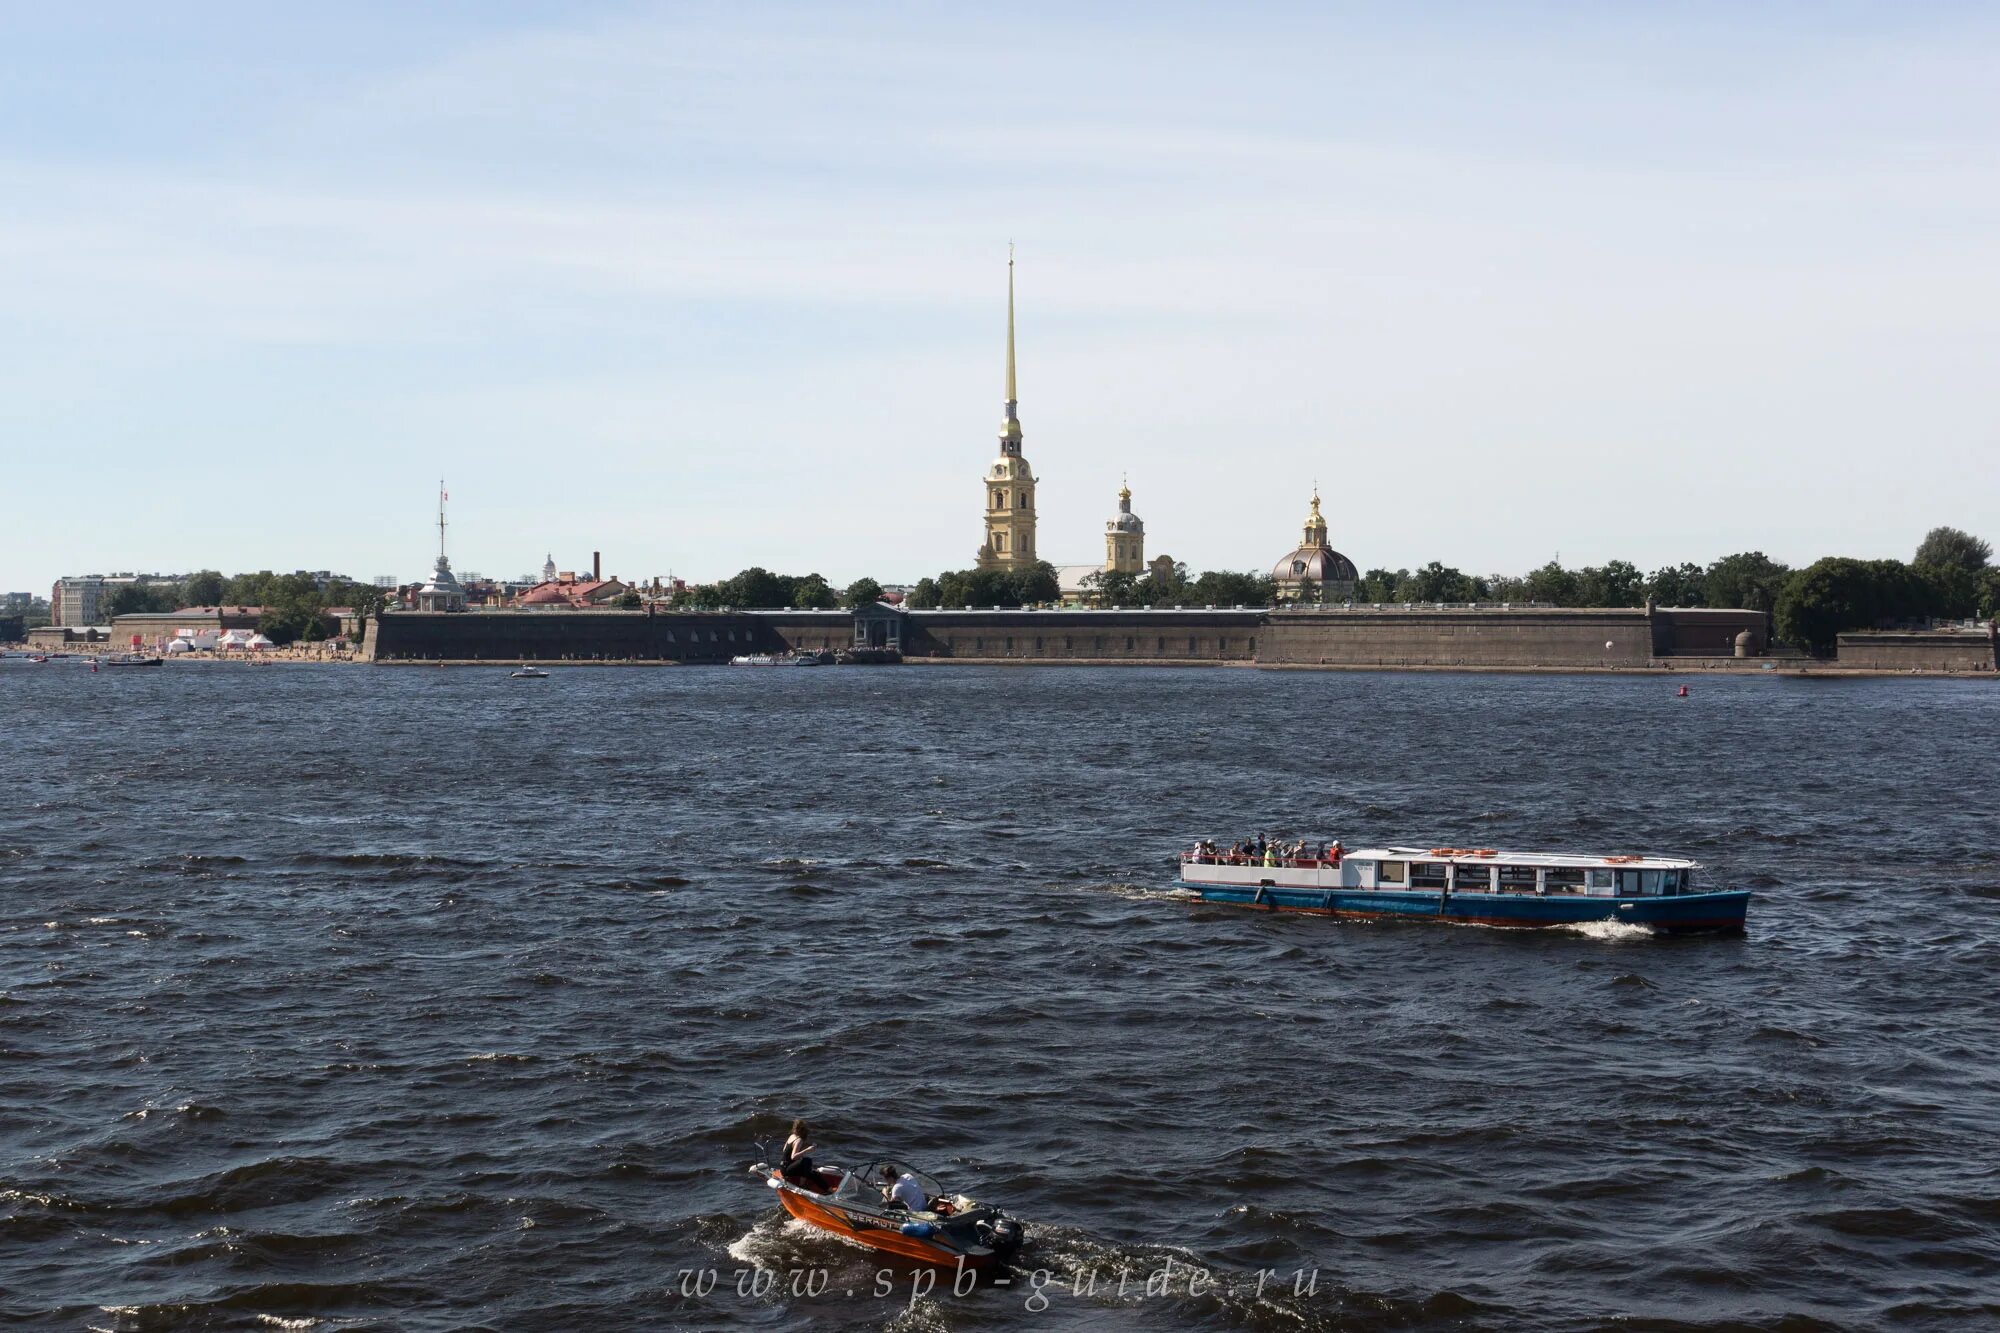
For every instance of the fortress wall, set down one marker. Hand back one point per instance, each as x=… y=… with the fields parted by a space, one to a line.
x=1921 y=650
x=1461 y=637
x=1070 y=636
x=1524 y=638
x=554 y=636
x=1680 y=631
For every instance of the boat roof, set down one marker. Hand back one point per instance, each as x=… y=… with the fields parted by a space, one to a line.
x=1491 y=856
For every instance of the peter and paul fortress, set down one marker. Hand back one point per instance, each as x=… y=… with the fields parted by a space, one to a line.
x=1319 y=627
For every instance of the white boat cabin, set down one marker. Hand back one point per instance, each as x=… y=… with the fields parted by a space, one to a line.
x=1455 y=870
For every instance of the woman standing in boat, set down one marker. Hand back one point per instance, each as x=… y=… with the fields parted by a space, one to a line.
x=797 y=1157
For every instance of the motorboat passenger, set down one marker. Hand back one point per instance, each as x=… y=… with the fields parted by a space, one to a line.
x=908 y=1192
x=796 y=1163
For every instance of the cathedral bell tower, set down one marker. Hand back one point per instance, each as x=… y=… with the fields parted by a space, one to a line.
x=1125 y=538
x=1010 y=483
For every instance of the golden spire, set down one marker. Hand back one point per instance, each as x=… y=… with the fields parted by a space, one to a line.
x=1012 y=397
x=1010 y=429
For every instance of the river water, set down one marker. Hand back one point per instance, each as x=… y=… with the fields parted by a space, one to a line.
x=336 y=997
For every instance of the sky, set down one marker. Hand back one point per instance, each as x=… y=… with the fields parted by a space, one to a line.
x=702 y=286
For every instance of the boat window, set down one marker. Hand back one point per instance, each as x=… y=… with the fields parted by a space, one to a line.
x=1670 y=881
x=878 y=1176
x=1632 y=882
x=1564 y=879
x=1427 y=874
x=1393 y=872
x=1517 y=879
x=1474 y=879
x=1600 y=879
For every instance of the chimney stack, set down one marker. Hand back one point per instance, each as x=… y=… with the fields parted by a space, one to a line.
x=597 y=565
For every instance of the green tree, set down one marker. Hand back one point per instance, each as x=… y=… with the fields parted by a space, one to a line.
x=294 y=609
x=203 y=588
x=1035 y=584
x=1615 y=583
x=758 y=587
x=1381 y=585
x=1678 y=585
x=923 y=595
x=132 y=598
x=1223 y=587
x=1749 y=580
x=1111 y=587
x=1553 y=584
x=812 y=593
x=1438 y=582
x=1951 y=548
x=862 y=592
x=1835 y=594
x=1506 y=588
x=629 y=600
x=1988 y=597
x=1165 y=585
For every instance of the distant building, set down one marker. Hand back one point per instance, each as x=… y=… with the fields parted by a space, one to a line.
x=201 y=624
x=1124 y=553
x=76 y=600
x=1125 y=538
x=567 y=592
x=1315 y=571
x=442 y=592
x=1010 y=482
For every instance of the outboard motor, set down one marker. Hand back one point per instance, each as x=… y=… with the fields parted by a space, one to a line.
x=1003 y=1235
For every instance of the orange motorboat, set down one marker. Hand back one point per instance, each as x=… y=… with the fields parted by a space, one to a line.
x=949 y=1230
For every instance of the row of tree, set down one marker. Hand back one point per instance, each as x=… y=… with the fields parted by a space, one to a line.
x=295 y=606
x=1750 y=579
x=1950 y=576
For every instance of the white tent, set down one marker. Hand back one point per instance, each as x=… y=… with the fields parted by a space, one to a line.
x=180 y=646
x=259 y=642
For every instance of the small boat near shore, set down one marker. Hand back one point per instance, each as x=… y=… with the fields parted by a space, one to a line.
x=951 y=1231
x=800 y=658
x=133 y=660
x=528 y=673
x=1477 y=886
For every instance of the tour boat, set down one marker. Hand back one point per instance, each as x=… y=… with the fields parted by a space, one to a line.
x=133 y=660
x=952 y=1232
x=529 y=673
x=1471 y=885
x=756 y=659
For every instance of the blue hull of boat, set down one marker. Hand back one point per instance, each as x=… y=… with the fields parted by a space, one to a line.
x=1694 y=911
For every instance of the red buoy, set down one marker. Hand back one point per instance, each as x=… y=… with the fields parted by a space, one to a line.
x=1684 y=692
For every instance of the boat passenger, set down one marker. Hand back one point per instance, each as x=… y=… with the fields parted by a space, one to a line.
x=1270 y=855
x=796 y=1161
x=1334 y=852
x=907 y=1192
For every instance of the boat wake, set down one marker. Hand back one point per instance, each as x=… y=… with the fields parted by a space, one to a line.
x=1138 y=893
x=782 y=1242
x=1610 y=930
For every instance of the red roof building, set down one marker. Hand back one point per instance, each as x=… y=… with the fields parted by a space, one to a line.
x=573 y=593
